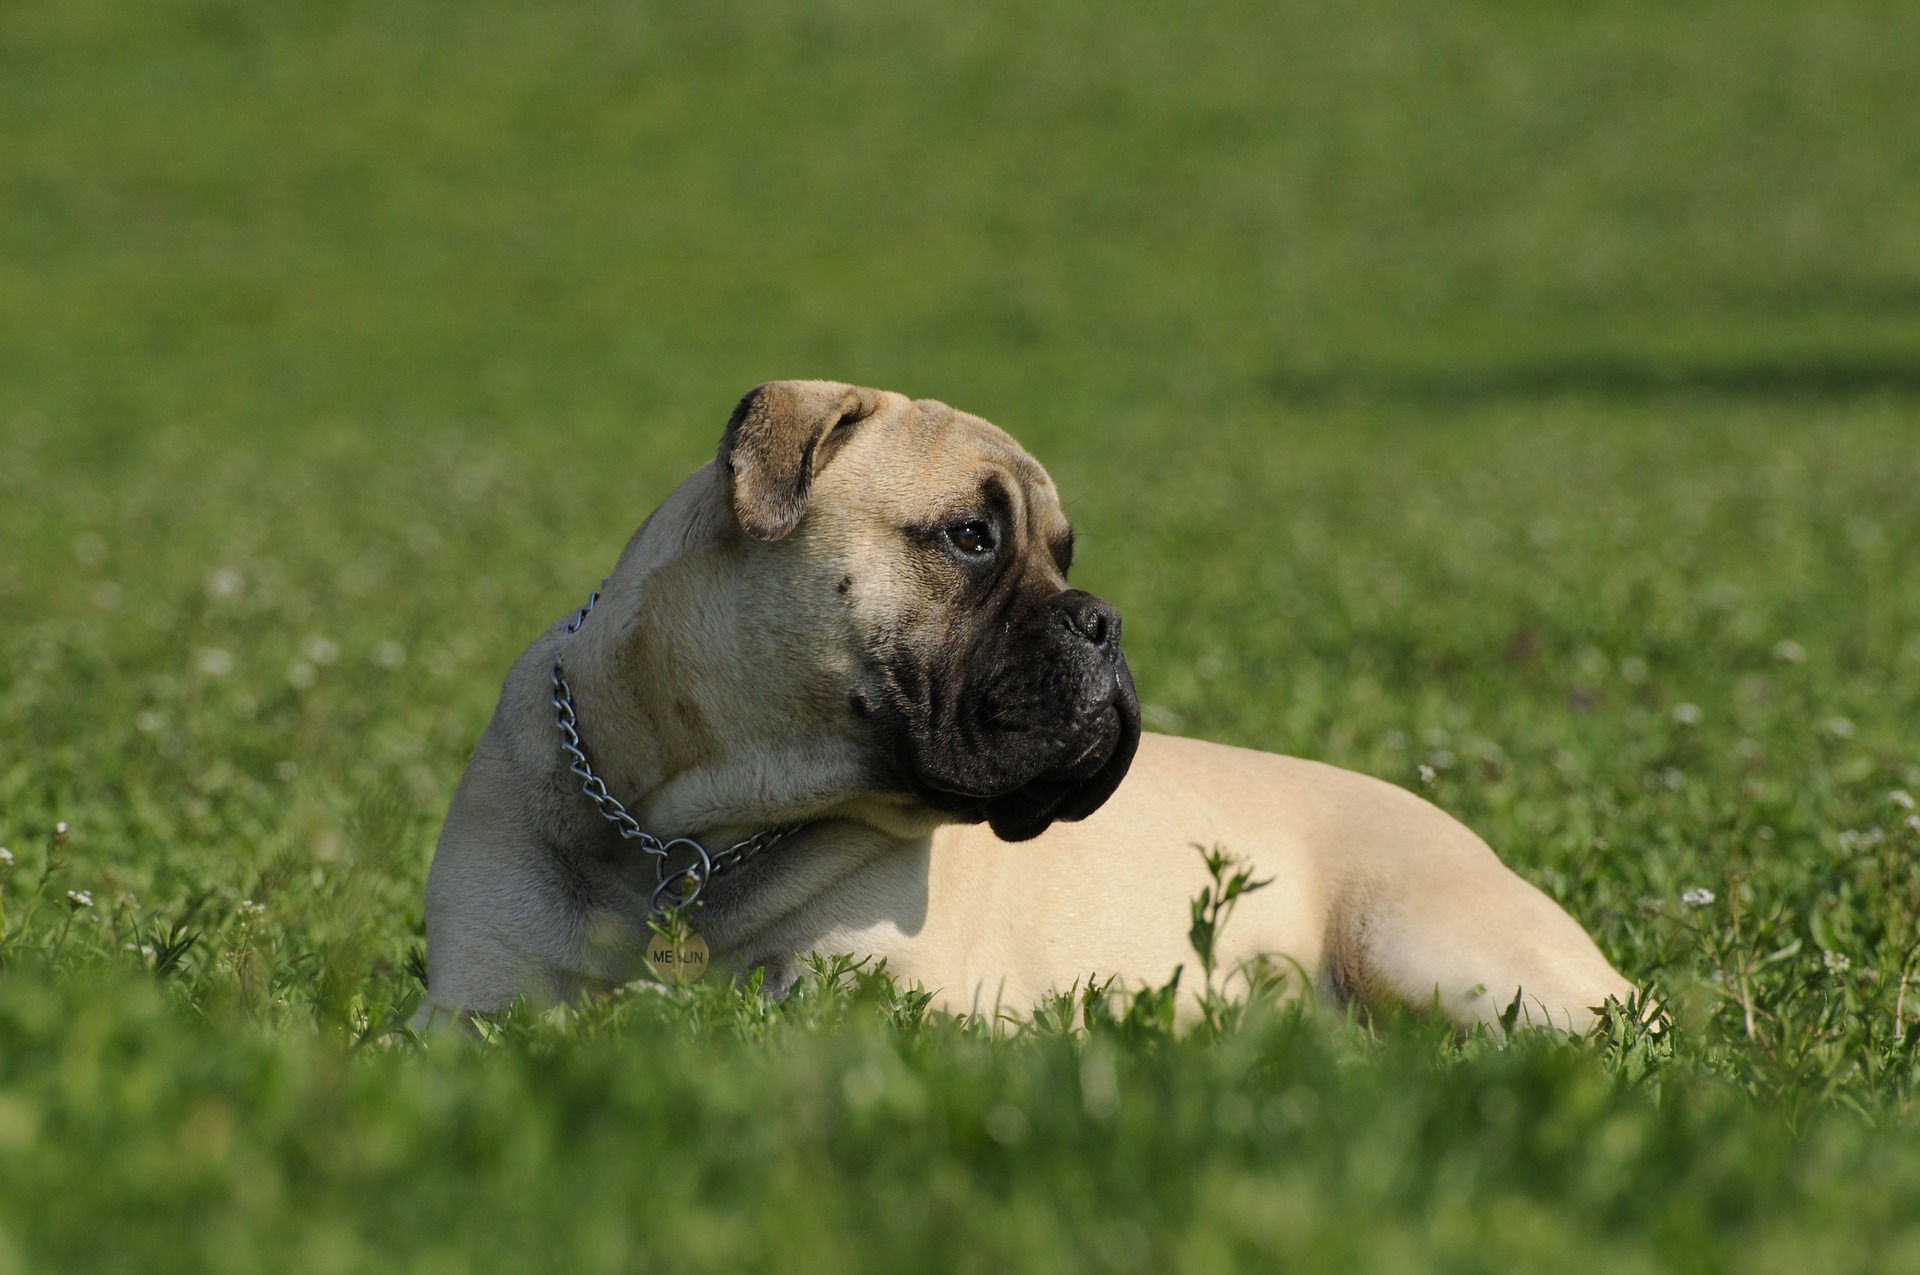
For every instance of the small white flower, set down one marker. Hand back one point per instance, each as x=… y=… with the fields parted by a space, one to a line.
x=1913 y=824
x=1789 y=652
x=225 y=583
x=1427 y=774
x=60 y=833
x=1836 y=963
x=320 y=649
x=1901 y=798
x=251 y=911
x=1005 y=1124
x=389 y=654
x=80 y=898
x=215 y=661
x=6 y=857
x=90 y=549
x=1160 y=717
x=1687 y=714
x=1698 y=897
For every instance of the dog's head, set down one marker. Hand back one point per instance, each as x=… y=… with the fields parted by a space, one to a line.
x=930 y=553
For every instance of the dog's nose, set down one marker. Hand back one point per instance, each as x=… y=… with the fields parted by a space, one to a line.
x=1092 y=618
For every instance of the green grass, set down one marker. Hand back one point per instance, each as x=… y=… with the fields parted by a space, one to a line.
x=1525 y=394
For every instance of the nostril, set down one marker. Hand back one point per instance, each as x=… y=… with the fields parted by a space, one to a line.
x=1095 y=621
x=1094 y=625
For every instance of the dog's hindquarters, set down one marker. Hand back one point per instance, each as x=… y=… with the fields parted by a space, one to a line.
x=1454 y=928
x=1382 y=898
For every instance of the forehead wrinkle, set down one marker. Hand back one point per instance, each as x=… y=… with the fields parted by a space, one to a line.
x=1035 y=501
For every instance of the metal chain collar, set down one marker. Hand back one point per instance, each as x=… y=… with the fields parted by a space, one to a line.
x=674 y=888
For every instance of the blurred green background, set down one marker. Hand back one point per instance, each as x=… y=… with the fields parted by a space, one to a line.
x=504 y=217
x=1526 y=393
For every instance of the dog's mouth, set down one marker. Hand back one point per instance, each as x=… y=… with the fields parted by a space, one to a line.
x=1070 y=784
x=1029 y=720
x=1077 y=792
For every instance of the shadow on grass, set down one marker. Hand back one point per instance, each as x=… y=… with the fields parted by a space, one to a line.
x=1619 y=379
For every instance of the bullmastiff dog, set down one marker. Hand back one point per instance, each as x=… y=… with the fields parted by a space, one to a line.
x=840 y=691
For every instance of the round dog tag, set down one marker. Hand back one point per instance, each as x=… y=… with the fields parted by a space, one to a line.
x=678 y=962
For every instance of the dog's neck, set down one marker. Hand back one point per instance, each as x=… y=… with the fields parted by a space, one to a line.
x=643 y=669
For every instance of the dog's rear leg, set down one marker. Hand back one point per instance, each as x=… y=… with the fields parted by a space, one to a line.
x=1480 y=943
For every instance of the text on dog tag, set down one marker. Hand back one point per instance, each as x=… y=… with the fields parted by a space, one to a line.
x=674 y=962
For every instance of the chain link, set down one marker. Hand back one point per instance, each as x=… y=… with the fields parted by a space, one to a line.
x=674 y=888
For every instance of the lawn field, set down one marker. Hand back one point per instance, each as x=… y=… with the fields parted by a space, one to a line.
x=1517 y=402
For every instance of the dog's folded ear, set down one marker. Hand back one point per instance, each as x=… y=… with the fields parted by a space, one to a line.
x=779 y=435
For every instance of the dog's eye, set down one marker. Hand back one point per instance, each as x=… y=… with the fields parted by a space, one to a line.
x=973 y=538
